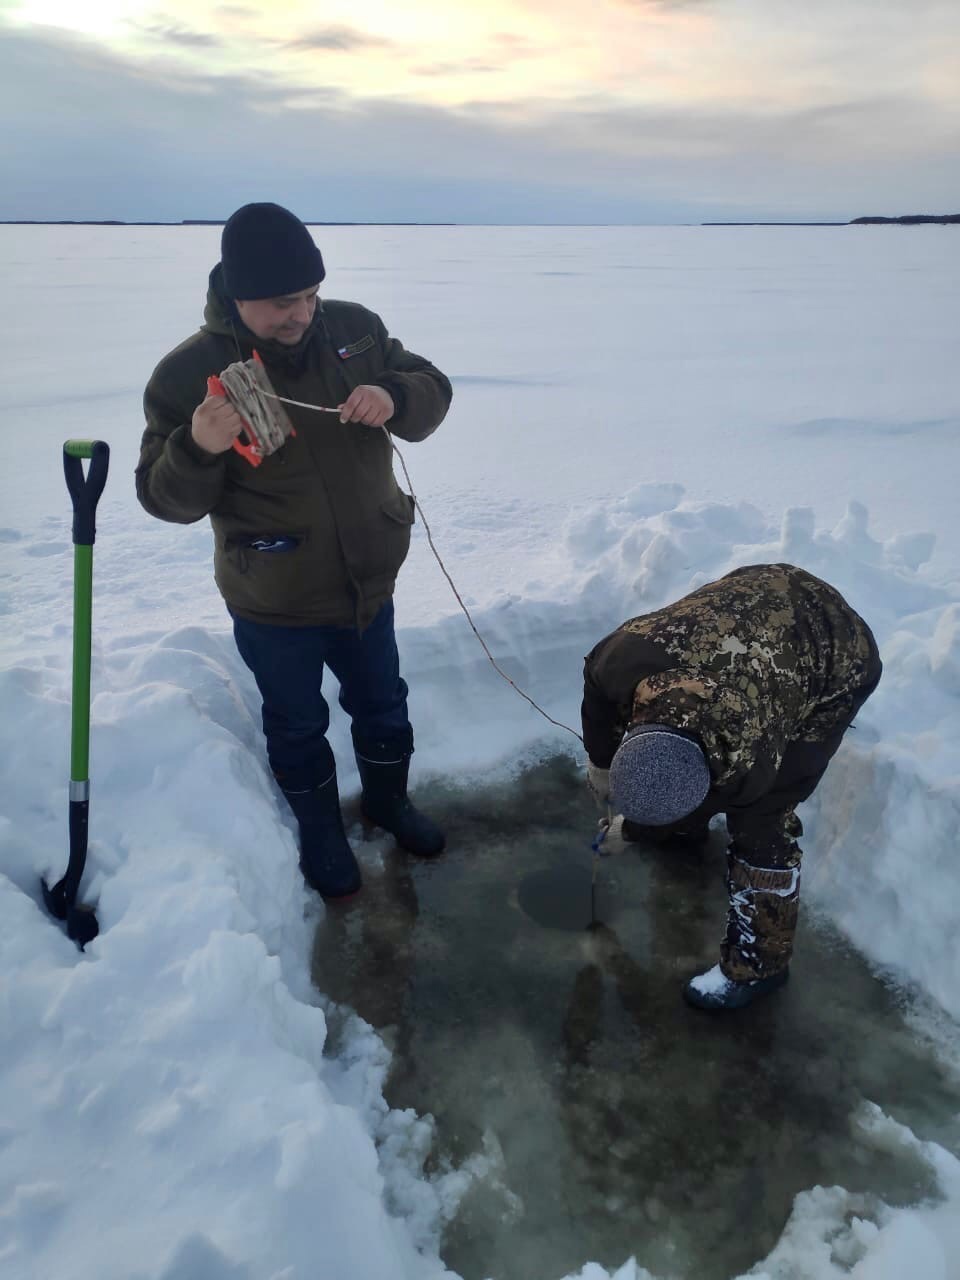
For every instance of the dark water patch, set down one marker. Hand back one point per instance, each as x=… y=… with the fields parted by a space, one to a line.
x=529 y=1021
x=568 y=897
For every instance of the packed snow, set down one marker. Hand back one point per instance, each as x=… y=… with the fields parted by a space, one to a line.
x=636 y=411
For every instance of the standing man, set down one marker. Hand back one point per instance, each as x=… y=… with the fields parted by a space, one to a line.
x=308 y=544
x=732 y=700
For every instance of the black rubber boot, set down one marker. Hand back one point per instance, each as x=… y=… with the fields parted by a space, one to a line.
x=715 y=991
x=385 y=803
x=326 y=859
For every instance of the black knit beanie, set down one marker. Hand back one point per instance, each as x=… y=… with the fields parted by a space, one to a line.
x=267 y=252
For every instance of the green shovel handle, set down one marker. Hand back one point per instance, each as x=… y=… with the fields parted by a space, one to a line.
x=85 y=491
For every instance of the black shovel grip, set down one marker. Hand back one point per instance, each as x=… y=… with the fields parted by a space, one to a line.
x=85 y=490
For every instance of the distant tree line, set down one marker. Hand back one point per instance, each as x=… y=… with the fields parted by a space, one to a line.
x=909 y=219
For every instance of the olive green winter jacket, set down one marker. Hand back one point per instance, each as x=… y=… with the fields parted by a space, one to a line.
x=330 y=490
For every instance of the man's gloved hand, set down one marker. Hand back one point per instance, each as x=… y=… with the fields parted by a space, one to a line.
x=614 y=841
x=598 y=780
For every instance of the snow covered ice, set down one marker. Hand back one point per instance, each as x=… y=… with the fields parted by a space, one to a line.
x=682 y=401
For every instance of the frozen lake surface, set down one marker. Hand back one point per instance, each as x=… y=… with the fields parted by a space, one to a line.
x=636 y=410
x=619 y=1121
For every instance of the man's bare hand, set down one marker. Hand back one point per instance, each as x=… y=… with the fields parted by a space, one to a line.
x=216 y=424
x=368 y=404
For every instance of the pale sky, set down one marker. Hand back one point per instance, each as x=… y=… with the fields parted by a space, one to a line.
x=499 y=111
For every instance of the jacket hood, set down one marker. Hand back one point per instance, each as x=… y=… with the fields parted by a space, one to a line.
x=219 y=314
x=720 y=718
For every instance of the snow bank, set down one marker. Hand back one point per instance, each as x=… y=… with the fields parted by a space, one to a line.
x=167 y=1108
x=833 y=1234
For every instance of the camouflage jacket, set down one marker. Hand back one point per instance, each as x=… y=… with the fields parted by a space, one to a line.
x=766 y=668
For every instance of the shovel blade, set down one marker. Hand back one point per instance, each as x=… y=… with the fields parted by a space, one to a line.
x=81 y=922
x=82 y=926
x=55 y=899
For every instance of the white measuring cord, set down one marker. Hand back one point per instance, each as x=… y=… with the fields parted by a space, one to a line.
x=300 y=404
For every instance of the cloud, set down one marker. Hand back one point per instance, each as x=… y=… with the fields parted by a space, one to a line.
x=516 y=44
x=670 y=5
x=468 y=67
x=180 y=36
x=116 y=138
x=337 y=39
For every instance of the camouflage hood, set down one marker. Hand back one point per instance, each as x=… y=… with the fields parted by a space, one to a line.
x=723 y=719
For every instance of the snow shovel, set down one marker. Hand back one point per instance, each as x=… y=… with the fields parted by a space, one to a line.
x=85 y=490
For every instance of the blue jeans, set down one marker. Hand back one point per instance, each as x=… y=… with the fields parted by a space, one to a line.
x=287 y=664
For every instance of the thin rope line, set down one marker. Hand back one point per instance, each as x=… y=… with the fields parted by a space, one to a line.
x=443 y=569
x=300 y=404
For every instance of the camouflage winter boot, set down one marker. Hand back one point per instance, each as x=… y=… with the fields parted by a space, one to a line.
x=756 y=949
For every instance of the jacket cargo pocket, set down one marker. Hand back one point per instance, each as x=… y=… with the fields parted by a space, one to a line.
x=265 y=573
x=387 y=547
x=400 y=508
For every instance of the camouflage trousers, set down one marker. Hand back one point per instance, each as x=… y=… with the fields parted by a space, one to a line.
x=764 y=903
